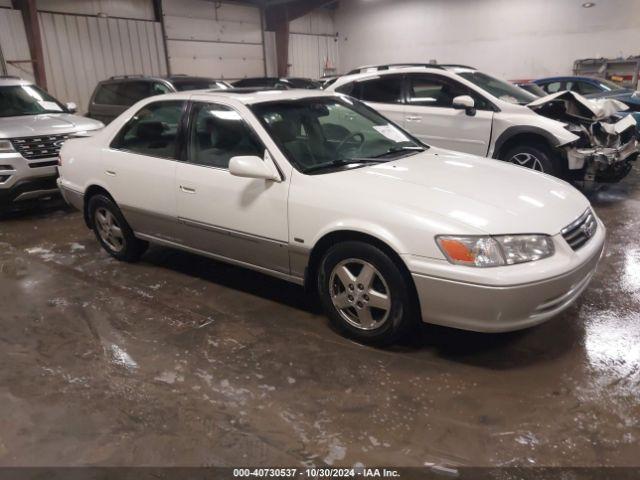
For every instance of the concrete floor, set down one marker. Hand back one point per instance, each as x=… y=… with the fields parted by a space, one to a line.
x=179 y=360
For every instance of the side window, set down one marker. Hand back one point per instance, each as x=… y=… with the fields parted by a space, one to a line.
x=153 y=130
x=107 y=94
x=130 y=92
x=571 y=86
x=552 y=87
x=346 y=89
x=386 y=89
x=438 y=91
x=219 y=133
x=585 y=88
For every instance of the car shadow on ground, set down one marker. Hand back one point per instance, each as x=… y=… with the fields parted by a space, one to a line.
x=35 y=209
x=497 y=351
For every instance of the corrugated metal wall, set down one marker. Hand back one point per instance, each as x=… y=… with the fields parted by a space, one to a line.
x=13 y=42
x=82 y=50
x=221 y=40
x=313 y=50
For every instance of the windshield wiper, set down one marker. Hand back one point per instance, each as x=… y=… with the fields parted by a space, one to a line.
x=393 y=150
x=343 y=162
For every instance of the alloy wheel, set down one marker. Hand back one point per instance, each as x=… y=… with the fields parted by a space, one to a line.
x=360 y=294
x=527 y=160
x=109 y=230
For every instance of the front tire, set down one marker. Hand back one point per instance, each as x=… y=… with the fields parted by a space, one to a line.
x=365 y=294
x=112 y=230
x=536 y=157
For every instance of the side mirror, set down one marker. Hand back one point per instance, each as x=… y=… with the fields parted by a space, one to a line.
x=71 y=107
x=466 y=103
x=252 y=167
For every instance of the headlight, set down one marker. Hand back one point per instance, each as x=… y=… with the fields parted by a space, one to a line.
x=475 y=251
x=6 y=146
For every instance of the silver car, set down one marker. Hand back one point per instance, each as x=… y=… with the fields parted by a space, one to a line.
x=33 y=126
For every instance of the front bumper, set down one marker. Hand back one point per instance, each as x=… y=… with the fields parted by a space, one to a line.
x=21 y=180
x=28 y=189
x=503 y=308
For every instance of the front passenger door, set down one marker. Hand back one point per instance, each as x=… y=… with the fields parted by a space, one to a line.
x=430 y=115
x=238 y=218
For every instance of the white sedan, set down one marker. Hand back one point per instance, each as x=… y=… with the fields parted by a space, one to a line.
x=320 y=190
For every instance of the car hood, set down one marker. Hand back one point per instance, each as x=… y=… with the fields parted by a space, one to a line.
x=627 y=96
x=45 y=124
x=468 y=194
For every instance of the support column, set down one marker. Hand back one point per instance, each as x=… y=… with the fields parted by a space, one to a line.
x=34 y=38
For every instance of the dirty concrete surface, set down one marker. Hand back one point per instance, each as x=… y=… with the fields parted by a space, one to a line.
x=180 y=360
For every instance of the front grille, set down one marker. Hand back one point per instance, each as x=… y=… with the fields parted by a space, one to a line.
x=578 y=233
x=4 y=178
x=35 y=148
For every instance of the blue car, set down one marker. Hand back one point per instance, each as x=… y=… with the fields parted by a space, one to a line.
x=592 y=87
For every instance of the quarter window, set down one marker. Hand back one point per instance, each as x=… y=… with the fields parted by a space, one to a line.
x=153 y=131
x=219 y=133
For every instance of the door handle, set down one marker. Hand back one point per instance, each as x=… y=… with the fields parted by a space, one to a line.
x=412 y=118
x=187 y=189
x=111 y=173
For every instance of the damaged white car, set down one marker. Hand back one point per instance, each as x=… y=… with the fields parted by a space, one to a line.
x=460 y=108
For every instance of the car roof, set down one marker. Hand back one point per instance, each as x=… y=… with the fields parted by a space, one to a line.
x=566 y=77
x=390 y=71
x=9 y=81
x=249 y=96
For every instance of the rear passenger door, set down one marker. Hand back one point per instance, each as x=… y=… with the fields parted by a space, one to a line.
x=382 y=93
x=140 y=164
x=430 y=115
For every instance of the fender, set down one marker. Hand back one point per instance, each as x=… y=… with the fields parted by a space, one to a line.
x=511 y=132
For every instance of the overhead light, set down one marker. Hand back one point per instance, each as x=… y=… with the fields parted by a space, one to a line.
x=588 y=4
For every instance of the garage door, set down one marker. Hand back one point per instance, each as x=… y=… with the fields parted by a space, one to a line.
x=220 y=40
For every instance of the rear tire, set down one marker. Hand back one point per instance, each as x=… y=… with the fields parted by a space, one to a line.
x=112 y=230
x=365 y=294
x=536 y=157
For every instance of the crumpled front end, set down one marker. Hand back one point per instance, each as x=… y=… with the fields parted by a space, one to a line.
x=608 y=140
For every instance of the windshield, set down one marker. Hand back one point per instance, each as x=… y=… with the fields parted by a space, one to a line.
x=498 y=88
x=609 y=86
x=321 y=134
x=18 y=100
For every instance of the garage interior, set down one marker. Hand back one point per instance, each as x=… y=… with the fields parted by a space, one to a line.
x=180 y=360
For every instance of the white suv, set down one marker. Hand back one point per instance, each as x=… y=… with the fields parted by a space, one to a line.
x=319 y=189
x=460 y=108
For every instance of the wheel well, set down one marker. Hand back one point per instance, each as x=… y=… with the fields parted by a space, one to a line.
x=90 y=192
x=526 y=138
x=330 y=239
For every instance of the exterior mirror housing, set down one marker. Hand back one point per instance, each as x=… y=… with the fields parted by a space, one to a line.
x=71 y=107
x=466 y=103
x=252 y=167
